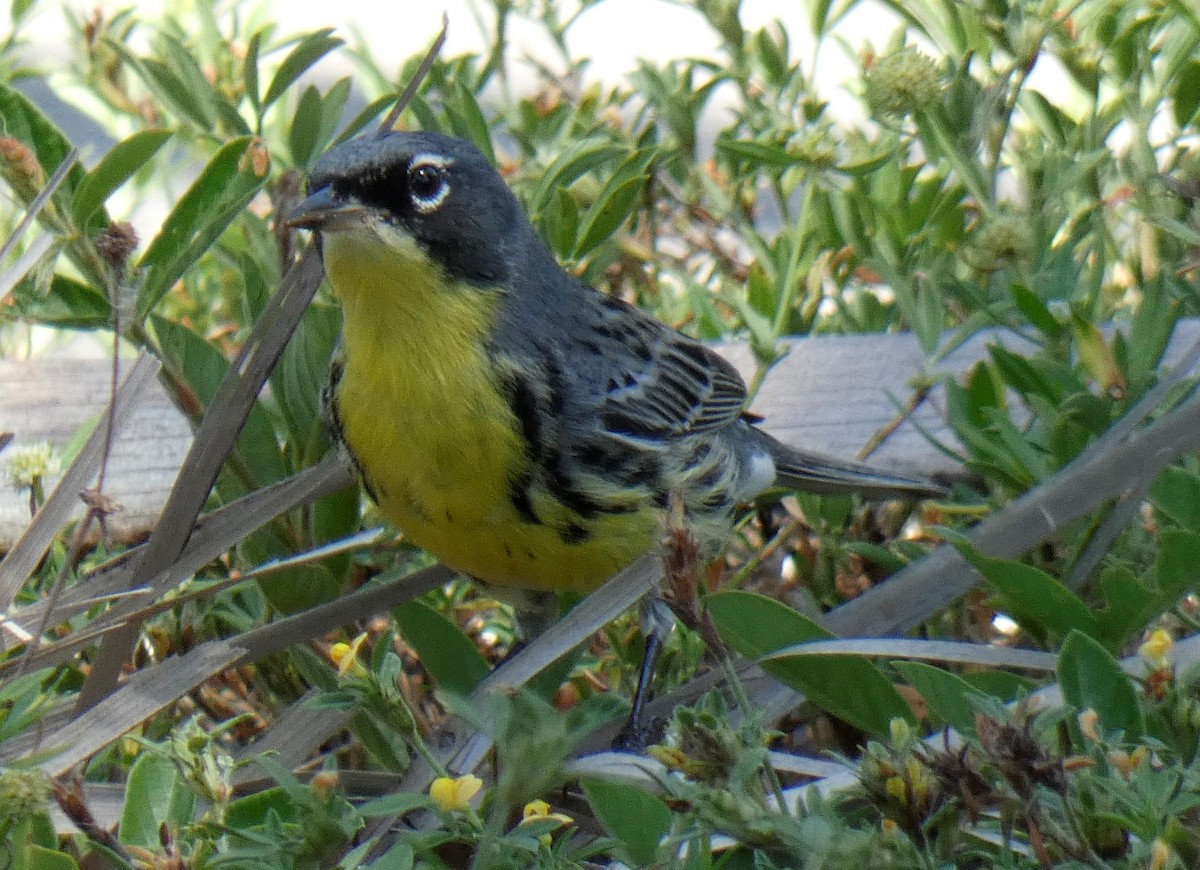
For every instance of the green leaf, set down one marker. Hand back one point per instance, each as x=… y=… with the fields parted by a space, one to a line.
x=757 y=154
x=607 y=214
x=155 y=794
x=166 y=86
x=1128 y=605
x=847 y=686
x=1035 y=311
x=198 y=94
x=369 y=112
x=307 y=51
x=305 y=127
x=929 y=316
x=250 y=71
x=616 y=201
x=1092 y=679
x=637 y=819
x=1185 y=96
x=449 y=655
x=867 y=165
x=333 y=107
x=18 y=9
x=118 y=165
x=22 y=120
x=944 y=692
x=253 y=810
x=1024 y=375
x=1177 y=567
x=1031 y=595
x=884 y=558
x=395 y=804
x=569 y=166
x=474 y=123
x=208 y=207
x=772 y=57
x=68 y=303
x=33 y=857
x=303 y=371
x=1151 y=329
x=1175 y=493
x=560 y=222
x=201 y=366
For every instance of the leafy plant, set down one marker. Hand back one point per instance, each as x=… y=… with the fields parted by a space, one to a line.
x=969 y=199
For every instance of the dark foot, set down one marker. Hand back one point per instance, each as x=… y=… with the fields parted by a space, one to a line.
x=636 y=736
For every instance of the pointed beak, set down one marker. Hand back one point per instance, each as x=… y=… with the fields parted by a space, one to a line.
x=322 y=210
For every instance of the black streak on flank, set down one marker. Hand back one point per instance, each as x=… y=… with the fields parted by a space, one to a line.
x=518 y=494
x=574 y=534
x=524 y=406
x=563 y=489
x=556 y=380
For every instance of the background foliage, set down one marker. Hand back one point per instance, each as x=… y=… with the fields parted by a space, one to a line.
x=965 y=197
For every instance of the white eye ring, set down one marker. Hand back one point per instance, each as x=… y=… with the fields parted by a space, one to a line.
x=428 y=182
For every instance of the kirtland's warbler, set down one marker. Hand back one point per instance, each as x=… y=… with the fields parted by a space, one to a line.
x=514 y=422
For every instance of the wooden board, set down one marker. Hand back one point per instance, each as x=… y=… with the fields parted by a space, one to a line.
x=830 y=393
x=51 y=400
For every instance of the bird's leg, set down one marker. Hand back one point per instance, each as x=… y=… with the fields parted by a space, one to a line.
x=657 y=624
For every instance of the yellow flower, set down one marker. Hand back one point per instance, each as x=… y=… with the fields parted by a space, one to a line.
x=345 y=655
x=454 y=794
x=1157 y=648
x=537 y=810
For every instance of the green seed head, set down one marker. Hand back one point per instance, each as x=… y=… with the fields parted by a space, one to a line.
x=905 y=82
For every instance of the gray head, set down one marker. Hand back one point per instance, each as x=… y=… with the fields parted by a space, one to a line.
x=437 y=189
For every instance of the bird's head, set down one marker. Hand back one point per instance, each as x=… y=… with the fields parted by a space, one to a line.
x=419 y=196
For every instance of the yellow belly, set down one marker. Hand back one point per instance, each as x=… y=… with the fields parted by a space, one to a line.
x=419 y=408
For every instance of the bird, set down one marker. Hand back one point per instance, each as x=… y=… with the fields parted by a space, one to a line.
x=518 y=424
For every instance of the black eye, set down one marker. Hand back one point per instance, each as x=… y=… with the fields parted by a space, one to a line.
x=427 y=185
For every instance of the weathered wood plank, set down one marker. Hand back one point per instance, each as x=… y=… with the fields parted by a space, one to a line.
x=830 y=393
x=50 y=400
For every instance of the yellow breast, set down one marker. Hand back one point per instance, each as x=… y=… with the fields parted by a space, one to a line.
x=420 y=409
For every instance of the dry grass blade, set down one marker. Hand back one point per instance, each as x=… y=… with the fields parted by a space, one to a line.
x=146 y=692
x=597 y=610
x=362 y=602
x=920 y=590
x=214 y=440
x=33 y=544
x=216 y=533
x=39 y=203
x=924 y=650
x=117 y=618
x=153 y=688
x=410 y=90
x=13 y=275
x=294 y=736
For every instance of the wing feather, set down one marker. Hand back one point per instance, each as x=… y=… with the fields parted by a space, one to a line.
x=661 y=383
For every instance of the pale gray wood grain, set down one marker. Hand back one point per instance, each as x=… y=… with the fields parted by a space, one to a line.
x=830 y=393
x=50 y=400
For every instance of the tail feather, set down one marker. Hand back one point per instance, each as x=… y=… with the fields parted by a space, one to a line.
x=826 y=475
